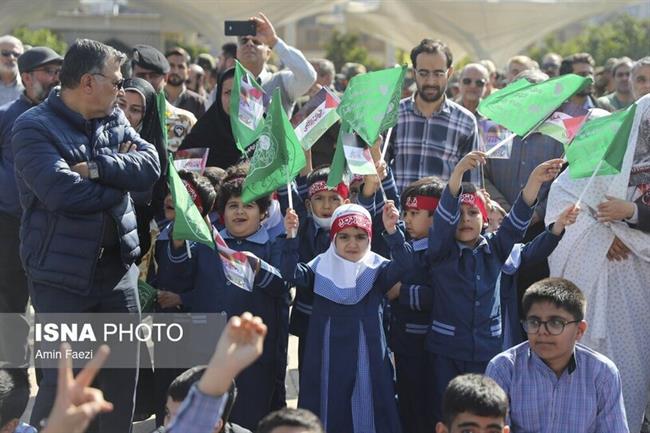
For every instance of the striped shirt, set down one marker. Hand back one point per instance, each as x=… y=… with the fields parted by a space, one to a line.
x=432 y=146
x=586 y=398
x=199 y=413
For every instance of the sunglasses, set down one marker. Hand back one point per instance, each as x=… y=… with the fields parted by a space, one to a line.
x=479 y=83
x=244 y=40
x=7 y=53
x=118 y=84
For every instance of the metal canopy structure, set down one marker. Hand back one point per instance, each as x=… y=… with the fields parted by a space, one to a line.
x=495 y=29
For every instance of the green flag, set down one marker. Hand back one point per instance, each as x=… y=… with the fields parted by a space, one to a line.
x=371 y=100
x=339 y=166
x=522 y=105
x=278 y=157
x=246 y=107
x=188 y=224
x=601 y=139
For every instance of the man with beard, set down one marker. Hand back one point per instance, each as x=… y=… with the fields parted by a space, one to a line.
x=579 y=104
x=76 y=160
x=39 y=68
x=150 y=64
x=176 y=90
x=432 y=133
x=10 y=85
x=622 y=97
x=254 y=51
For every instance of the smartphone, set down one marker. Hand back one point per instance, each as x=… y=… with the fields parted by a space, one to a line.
x=240 y=28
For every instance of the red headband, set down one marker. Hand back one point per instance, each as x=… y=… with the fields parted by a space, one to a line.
x=194 y=195
x=422 y=202
x=357 y=220
x=475 y=200
x=320 y=186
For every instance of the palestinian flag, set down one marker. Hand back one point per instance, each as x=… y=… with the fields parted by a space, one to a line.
x=315 y=117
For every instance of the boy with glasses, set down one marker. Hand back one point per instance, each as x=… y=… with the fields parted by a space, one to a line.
x=554 y=383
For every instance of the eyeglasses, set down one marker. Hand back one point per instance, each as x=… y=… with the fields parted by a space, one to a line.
x=479 y=83
x=49 y=71
x=425 y=73
x=553 y=326
x=7 y=53
x=118 y=84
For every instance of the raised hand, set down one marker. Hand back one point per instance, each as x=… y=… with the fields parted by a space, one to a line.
x=265 y=31
x=390 y=216
x=291 y=223
x=240 y=344
x=544 y=172
x=566 y=218
x=468 y=162
x=76 y=403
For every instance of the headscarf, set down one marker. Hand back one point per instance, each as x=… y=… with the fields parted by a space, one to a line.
x=150 y=130
x=339 y=279
x=213 y=131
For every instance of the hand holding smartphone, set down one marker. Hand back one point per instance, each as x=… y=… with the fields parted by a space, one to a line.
x=240 y=28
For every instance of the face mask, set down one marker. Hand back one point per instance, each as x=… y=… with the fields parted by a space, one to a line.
x=323 y=223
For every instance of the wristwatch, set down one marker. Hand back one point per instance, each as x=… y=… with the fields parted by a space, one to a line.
x=93 y=170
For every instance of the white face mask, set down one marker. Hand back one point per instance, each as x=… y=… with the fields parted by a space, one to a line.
x=323 y=223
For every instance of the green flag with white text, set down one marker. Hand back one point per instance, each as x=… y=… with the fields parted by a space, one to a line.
x=371 y=101
x=246 y=108
x=278 y=157
x=522 y=105
x=601 y=139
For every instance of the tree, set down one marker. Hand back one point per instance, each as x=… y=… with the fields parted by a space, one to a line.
x=345 y=47
x=40 y=37
x=620 y=36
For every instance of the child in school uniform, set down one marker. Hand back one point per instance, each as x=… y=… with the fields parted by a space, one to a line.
x=244 y=232
x=347 y=376
x=410 y=312
x=465 y=325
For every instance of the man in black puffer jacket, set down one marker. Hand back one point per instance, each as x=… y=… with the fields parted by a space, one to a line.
x=76 y=158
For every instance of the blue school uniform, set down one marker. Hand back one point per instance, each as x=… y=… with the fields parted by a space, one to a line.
x=522 y=255
x=347 y=374
x=408 y=328
x=257 y=384
x=465 y=325
x=193 y=279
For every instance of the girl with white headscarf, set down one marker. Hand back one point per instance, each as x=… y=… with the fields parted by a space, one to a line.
x=347 y=376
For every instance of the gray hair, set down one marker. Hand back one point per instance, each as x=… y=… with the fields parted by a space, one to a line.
x=644 y=61
x=9 y=39
x=479 y=67
x=86 y=56
x=532 y=75
x=324 y=67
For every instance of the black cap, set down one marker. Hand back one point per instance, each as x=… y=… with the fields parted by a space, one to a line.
x=148 y=57
x=37 y=56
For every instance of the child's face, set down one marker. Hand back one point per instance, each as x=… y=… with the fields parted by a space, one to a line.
x=467 y=422
x=324 y=203
x=352 y=243
x=555 y=350
x=495 y=218
x=170 y=212
x=241 y=219
x=417 y=222
x=470 y=225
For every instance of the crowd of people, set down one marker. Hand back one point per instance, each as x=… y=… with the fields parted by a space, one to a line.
x=451 y=292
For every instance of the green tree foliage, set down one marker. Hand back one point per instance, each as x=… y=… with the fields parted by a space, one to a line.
x=192 y=49
x=620 y=36
x=40 y=37
x=345 y=47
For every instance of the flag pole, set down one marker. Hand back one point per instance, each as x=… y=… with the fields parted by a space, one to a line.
x=591 y=179
x=290 y=197
x=500 y=144
x=386 y=143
